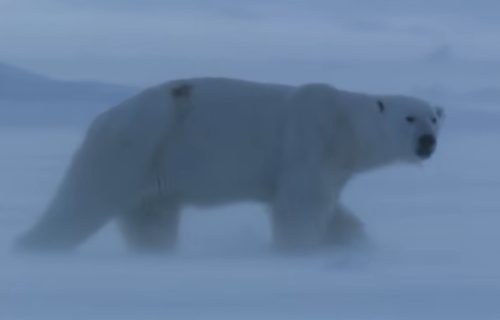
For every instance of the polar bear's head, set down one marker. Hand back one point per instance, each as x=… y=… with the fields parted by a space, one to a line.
x=412 y=126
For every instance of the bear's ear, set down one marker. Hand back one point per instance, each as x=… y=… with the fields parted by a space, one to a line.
x=381 y=106
x=440 y=112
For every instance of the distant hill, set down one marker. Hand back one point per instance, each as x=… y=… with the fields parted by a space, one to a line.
x=22 y=85
x=30 y=98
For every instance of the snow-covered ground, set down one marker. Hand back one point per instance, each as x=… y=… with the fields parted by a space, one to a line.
x=435 y=229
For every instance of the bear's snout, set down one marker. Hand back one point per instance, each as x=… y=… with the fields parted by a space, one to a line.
x=426 y=145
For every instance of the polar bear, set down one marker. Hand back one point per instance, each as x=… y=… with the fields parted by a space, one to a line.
x=210 y=141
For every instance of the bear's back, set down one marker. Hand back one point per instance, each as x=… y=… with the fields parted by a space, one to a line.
x=229 y=140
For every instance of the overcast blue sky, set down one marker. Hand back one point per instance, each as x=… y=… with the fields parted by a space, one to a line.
x=143 y=42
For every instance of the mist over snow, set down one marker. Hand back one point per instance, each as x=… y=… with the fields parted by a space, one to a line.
x=434 y=228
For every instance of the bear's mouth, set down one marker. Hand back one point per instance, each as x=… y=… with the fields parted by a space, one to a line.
x=424 y=153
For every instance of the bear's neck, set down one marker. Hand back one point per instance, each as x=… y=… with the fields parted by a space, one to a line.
x=370 y=151
x=372 y=160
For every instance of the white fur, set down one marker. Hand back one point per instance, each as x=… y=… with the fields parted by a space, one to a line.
x=223 y=141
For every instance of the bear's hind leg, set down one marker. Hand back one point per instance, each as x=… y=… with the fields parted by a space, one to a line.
x=61 y=230
x=152 y=226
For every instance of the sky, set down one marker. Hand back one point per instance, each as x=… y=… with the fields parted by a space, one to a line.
x=144 y=42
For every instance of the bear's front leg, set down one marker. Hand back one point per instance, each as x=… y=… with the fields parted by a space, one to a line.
x=301 y=212
x=344 y=229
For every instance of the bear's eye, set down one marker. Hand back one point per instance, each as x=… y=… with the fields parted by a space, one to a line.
x=410 y=119
x=434 y=120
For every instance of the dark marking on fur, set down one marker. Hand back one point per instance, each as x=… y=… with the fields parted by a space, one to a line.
x=181 y=91
x=181 y=94
x=381 y=106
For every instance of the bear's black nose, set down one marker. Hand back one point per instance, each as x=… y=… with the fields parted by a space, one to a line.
x=426 y=145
